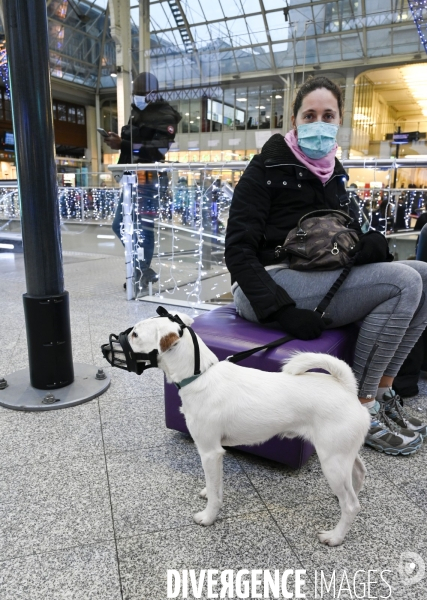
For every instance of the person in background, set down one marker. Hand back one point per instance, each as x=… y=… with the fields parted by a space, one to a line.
x=145 y=139
x=406 y=381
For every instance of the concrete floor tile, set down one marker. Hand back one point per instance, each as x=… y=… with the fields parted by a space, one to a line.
x=53 y=505
x=280 y=486
x=130 y=385
x=376 y=541
x=155 y=489
x=399 y=469
x=134 y=423
x=82 y=573
x=247 y=542
x=29 y=437
x=158 y=488
x=383 y=521
x=6 y=366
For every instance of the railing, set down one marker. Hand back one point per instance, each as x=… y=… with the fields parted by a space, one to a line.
x=188 y=215
x=75 y=203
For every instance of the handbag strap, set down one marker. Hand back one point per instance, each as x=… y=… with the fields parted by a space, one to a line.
x=324 y=211
x=321 y=308
x=323 y=305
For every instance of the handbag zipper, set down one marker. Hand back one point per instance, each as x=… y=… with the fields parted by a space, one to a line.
x=335 y=250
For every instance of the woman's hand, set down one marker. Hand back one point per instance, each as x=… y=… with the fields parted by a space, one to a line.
x=113 y=140
x=301 y=323
x=371 y=248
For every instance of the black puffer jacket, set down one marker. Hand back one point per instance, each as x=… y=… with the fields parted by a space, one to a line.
x=153 y=131
x=273 y=193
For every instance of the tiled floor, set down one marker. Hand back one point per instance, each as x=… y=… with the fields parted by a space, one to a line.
x=96 y=501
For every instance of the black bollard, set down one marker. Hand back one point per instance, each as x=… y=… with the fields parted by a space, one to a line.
x=45 y=303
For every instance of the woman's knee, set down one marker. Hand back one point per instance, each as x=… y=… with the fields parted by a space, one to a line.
x=243 y=306
x=420 y=267
x=409 y=279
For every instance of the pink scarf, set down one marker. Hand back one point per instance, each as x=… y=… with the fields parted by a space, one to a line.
x=321 y=167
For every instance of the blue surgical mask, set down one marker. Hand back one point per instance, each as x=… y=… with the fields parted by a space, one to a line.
x=317 y=139
x=140 y=102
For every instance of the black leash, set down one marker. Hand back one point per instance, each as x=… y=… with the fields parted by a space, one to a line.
x=235 y=358
x=321 y=309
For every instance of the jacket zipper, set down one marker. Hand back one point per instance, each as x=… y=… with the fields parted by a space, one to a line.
x=368 y=362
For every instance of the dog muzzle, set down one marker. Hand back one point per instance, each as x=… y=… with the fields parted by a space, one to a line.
x=118 y=352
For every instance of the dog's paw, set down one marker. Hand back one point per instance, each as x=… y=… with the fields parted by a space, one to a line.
x=204 y=518
x=203 y=493
x=329 y=538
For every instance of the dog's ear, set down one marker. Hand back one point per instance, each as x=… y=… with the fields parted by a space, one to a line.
x=186 y=319
x=168 y=340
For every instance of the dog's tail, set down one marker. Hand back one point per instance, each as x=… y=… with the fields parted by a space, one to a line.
x=301 y=362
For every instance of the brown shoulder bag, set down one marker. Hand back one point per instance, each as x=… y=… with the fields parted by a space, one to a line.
x=321 y=241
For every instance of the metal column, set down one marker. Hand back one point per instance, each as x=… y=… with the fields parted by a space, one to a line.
x=46 y=303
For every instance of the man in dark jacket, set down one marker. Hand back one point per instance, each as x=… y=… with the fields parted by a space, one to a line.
x=145 y=139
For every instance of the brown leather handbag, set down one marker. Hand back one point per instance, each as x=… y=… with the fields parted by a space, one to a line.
x=321 y=241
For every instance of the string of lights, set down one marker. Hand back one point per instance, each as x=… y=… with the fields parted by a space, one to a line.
x=419 y=13
x=4 y=68
x=188 y=219
x=94 y=204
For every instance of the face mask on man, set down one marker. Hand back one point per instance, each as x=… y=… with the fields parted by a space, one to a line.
x=140 y=102
x=317 y=139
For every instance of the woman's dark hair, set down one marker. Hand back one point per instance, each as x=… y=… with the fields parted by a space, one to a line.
x=315 y=83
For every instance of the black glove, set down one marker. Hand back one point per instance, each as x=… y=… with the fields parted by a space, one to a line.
x=371 y=248
x=299 y=322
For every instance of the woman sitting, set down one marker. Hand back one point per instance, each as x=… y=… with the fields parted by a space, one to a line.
x=291 y=177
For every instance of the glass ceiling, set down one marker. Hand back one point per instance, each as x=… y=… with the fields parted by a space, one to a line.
x=195 y=42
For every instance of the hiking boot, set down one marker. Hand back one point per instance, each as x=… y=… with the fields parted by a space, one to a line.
x=148 y=276
x=385 y=436
x=395 y=411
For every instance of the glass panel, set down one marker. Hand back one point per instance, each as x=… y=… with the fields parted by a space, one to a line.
x=62 y=112
x=200 y=33
x=194 y=12
x=250 y=6
x=80 y=116
x=159 y=19
x=245 y=61
x=239 y=32
x=212 y=10
x=72 y=114
x=256 y=28
x=277 y=26
x=271 y=4
x=283 y=47
x=231 y=8
x=262 y=57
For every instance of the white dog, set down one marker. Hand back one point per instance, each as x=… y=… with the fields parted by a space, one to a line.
x=230 y=405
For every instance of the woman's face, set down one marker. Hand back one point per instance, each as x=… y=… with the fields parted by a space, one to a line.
x=318 y=105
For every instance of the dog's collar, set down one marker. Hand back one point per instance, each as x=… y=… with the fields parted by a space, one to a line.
x=186 y=381
x=162 y=312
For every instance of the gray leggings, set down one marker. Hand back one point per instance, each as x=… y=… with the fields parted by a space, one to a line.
x=387 y=297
